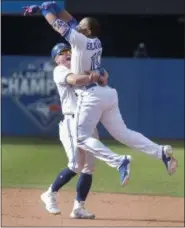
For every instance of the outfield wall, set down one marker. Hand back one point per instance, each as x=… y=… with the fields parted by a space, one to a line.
x=151 y=96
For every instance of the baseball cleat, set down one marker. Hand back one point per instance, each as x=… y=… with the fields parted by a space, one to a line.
x=168 y=159
x=124 y=170
x=50 y=201
x=81 y=213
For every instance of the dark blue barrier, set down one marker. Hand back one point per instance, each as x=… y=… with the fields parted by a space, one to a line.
x=151 y=96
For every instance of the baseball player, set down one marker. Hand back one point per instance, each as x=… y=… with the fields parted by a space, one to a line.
x=82 y=162
x=95 y=105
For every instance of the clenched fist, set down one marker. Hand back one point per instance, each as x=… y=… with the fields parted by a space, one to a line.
x=94 y=76
x=103 y=80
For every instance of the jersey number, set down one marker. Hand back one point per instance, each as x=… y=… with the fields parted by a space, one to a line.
x=96 y=61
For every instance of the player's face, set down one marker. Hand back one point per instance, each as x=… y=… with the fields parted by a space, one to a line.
x=83 y=27
x=64 y=58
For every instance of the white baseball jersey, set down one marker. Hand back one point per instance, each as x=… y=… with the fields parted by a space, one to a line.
x=66 y=92
x=76 y=161
x=86 y=52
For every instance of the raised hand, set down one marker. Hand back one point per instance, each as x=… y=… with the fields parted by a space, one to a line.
x=35 y=9
x=31 y=10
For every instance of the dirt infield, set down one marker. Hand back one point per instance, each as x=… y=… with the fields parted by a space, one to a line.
x=22 y=207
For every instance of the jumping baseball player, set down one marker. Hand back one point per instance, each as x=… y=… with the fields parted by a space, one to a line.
x=101 y=104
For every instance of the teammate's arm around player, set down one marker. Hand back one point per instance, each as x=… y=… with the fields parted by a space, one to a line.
x=83 y=79
x=103 y=80
x=80 y=80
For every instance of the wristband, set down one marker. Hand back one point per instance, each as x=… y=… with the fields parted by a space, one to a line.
x=58 y=8
x=46 y=11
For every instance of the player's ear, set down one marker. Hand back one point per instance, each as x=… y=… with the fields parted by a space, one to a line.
x=88 y=32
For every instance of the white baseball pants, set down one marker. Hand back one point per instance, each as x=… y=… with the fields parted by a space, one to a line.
x=78 y=160
x=101 y=104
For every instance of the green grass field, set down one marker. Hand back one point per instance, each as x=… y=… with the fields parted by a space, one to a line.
x=30 y=162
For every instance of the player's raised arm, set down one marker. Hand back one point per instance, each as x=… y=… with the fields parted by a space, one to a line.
x=67 y=17
x=61 y=13
x=64 y=28
x=70 y=34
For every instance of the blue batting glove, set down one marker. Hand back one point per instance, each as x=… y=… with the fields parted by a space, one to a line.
x=31 y=10
x=48 y=5
x=53 y=6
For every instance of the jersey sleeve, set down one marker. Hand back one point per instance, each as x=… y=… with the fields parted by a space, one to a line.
x=60 y=74
x=72 y=23
x=75 y=38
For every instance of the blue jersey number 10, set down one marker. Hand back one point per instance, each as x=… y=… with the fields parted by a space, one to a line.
x=96 y=61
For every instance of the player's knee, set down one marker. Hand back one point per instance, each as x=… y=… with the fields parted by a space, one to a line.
x=75 y=168
x=88 y=168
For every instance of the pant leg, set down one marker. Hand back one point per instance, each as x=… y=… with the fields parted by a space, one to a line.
x=89 y=158
x=66 y=135
x=88 y=114
x=115 y=125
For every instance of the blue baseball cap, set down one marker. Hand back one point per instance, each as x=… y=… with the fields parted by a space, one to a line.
x=58 y=48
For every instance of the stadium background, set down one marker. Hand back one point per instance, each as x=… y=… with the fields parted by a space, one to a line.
x=151 y=95
x=151 y=89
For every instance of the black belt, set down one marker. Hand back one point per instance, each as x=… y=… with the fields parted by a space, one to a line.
x=69 y=114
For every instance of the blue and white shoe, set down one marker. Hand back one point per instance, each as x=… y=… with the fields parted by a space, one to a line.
x=124 y=170
x=168 y=159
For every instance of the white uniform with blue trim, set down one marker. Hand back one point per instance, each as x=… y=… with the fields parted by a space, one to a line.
x=78 y=161
x=98 y=103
